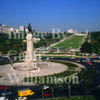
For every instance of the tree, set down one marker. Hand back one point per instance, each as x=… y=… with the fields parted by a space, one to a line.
x=86 y=48
x=86 y=78
x=92 y=44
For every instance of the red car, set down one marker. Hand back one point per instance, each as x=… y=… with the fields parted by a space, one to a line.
x=3 y=87
x=47 y=94
x=90 y=63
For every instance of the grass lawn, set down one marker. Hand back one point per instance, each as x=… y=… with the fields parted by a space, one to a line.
x=57 y=56
x=76 y=98
x=60 y=56
x=73 y=42
x=70 y=65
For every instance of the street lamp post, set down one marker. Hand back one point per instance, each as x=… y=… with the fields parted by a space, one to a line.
x=69 y=92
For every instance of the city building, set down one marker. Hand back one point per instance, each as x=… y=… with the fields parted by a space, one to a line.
x=36 y=40
x=26 y=30
x=22 y=28
x=17 y=30
x=12 y=29
x=0 y=29
x=5 y=29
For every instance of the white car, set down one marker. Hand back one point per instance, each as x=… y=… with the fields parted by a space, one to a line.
x=5 y=93
x=47 y=58
x=46 y=87
x=77 y=60
x=87 y=59
x=83 y=60
x=98 y=57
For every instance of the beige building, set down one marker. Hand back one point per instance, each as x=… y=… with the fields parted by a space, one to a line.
x=17 y=30
x=36 y=39
x=22 y=28
x=5 y=29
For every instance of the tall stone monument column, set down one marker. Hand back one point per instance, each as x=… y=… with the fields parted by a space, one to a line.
x=29 y=52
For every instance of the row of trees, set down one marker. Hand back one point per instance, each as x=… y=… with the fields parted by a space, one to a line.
x=10 y=44
x=17 y=44
x=92 y=43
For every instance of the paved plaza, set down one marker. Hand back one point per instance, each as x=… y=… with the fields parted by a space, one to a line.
x=7 y=71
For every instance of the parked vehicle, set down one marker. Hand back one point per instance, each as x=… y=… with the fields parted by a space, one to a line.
x=90 y=63
x=98 y=57
x=78 y=61
x=2 y=98
x=3 y=87
x=47 y=58
x=5 y=93
x=47 y=92
x=25 y=92
x=46 y=87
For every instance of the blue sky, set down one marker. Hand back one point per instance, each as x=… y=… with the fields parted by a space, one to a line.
x=47 y=14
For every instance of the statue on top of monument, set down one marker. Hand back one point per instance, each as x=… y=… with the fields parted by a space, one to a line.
x=29 y=28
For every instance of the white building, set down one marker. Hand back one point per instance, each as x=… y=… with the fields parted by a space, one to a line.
x=5 y=29
x=70 y=31
x=36 y=39
x=12 y=29
x=26 y=30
